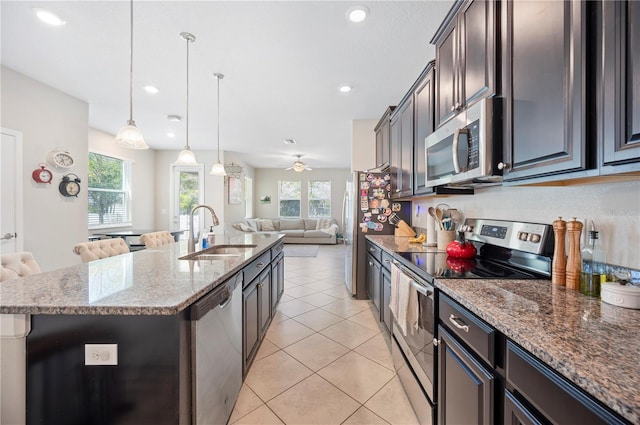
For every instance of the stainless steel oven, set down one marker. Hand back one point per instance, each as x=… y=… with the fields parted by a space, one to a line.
x=467 y=150
x=414 y=355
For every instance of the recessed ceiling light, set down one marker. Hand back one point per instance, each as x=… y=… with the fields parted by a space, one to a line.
x=151 y=89
x=289 y=141
x=48 y=17
x=357 y=14
x=345 y=88
x=174 y=118
x=171 y=135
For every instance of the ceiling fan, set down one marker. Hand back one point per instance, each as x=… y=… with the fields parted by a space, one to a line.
x=299 y=166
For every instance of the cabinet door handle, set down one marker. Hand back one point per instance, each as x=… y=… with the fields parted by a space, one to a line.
x=503 y=166
x=260 y=265
x=370 y=263
x=260 y=285
x=458 y=323
x=372 y=250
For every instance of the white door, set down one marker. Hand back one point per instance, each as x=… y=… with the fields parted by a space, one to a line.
x=187 y=192
x=11 y=236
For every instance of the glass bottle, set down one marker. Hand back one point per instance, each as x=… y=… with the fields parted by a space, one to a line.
x=594 y=267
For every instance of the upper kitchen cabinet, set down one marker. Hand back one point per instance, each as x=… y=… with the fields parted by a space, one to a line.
x=545 y=89
x=465 y=57
x=422 y=127
x=382 y=139
x=401 y=148
x=619 y=74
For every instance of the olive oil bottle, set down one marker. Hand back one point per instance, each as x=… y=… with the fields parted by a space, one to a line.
x=594 y=266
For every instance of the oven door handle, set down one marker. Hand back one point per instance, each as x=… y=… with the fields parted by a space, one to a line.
x=421 y=289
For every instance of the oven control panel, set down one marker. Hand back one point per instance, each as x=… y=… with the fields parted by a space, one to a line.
x=535 y=238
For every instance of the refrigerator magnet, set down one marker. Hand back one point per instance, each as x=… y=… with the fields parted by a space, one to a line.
x=372 y=225
x=382 y=218
x=375 y=211
x=387 y=177
x=395 y=207
x=387 y=211
x=364 y=203
x=378 y=227
x=374 y=203
x=365 y=185
x=370 y=177
x=384 y=203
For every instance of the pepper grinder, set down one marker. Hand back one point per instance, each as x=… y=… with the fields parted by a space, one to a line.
x=559 y=262
x=574 y=262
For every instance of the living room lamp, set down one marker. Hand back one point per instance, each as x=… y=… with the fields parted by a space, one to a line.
x=130 y=136
x=218 y=168
x=186 y=156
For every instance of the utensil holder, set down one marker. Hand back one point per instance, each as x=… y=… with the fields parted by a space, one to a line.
x=444 y=237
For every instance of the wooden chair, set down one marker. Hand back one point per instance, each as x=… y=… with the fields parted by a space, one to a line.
x=104 y=248
x=18 y=264
x=156 y=239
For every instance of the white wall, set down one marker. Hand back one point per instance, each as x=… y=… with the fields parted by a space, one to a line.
x=614 y=207
x=363 y=145
x=266 y=183
x=213 y=188
x=142 y=183
x=48 y=119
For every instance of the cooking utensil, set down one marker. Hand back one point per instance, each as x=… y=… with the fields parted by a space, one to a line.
x=432 y=213
x=439 y=217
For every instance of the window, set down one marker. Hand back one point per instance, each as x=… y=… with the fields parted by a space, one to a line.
x=109 y=191
x=289 y=195
x=320 y=198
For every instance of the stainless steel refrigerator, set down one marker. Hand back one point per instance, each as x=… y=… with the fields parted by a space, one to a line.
x=367 y=210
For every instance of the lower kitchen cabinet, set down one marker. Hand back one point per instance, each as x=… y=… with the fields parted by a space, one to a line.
x=466 y=386
x=256 y=315
x=373 y=280
x=277 y=281
x=549 y=397
x=386 y=298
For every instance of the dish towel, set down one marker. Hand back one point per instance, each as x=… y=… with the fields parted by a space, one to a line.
x=403 y=301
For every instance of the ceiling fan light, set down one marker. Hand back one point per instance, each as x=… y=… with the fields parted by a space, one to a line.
x=218 y=169
x=130 y=137
x=298 y=167
x=186 y=157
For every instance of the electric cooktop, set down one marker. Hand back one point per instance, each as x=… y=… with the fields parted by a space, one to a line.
x=506 y=250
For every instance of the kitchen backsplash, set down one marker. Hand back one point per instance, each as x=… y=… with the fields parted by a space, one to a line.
x=614 y=208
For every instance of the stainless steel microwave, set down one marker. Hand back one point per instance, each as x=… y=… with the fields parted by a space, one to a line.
x=467 y=150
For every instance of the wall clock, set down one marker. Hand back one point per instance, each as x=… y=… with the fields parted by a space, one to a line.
x=42 y=175
x=62 y=159
x=70 y=186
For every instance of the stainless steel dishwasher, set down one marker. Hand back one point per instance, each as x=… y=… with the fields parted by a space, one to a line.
x=216 y=331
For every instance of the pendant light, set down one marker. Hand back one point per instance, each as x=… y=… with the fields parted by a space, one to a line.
x=218 y=168
x=186 y=156
x=130 y=136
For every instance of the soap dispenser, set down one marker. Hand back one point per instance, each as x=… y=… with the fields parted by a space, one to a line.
x=594 y=271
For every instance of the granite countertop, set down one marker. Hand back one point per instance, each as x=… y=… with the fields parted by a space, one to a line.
x=593 y=344
x=148 y=282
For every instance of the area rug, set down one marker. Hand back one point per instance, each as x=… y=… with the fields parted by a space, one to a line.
x=301 y=250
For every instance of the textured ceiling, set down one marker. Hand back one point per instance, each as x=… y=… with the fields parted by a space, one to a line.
x=283 y=63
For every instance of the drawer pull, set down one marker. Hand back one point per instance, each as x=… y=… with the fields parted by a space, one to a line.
x=458 y=323
x=372 y=249
x=260 y=265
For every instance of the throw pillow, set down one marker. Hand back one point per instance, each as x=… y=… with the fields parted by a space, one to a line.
x=266 y=225
x=238 y=226
x=323 y=223
x=246 y=228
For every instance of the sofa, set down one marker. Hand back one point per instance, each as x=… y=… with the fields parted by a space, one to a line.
x=296 y=230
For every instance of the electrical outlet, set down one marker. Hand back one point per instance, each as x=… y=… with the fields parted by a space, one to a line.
x=100 y=354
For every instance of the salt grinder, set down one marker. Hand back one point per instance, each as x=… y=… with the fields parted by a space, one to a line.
x=559 y=262
x=574 y=261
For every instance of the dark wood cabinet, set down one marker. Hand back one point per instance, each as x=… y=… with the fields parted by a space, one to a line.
x=545 y=86
x=277 y=281
x=256 y=315
x=382 y=131
x=401 y=148
x=465 y=57
x=549 y=397
x=423 y=108
x=619 y=75
x=515 y=413
x=373 y=280
x=466 y=386
x=386 y=298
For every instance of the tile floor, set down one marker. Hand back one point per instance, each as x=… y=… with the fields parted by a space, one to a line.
x=325 y=358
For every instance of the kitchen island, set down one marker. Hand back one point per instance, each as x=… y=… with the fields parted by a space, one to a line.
x=592 y=344
x=141 y=303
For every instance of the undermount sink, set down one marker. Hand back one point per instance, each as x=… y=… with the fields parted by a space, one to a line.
x=218 y=252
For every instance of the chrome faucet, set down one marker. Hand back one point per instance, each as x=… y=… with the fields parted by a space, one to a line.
x=192 y=242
